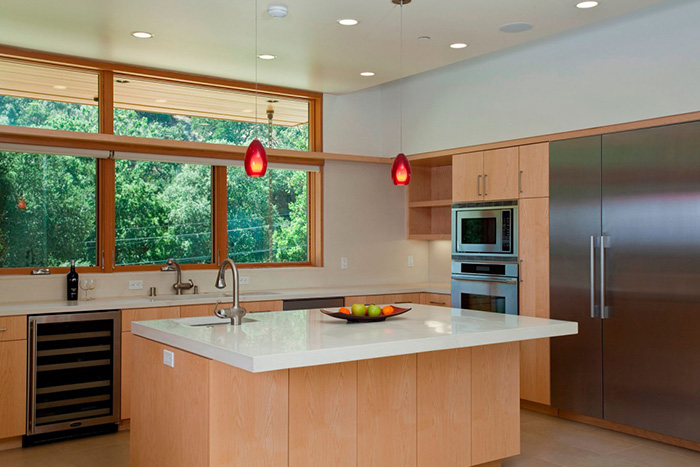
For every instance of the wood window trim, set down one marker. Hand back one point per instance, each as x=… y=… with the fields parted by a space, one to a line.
x=106 y=140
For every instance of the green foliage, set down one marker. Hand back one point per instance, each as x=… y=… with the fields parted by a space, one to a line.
x=162 y=210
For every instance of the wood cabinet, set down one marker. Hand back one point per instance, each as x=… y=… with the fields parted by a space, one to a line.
x=429 y=202
x=436 y=299
x=137 y=314
x=534 y=296
x=533 y=179
x=13 y=376
x=390 y=299
x=485 y=176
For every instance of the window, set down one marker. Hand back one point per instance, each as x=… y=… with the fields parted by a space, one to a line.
x=48 y=210
x=48 y=97
x=156 y=109
x=162 y=210
x=268 y=217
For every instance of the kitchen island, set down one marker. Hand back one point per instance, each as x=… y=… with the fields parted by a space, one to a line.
x=435 y=386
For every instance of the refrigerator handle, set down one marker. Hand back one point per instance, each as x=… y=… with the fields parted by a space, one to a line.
x=604 y=310
x=594 y=308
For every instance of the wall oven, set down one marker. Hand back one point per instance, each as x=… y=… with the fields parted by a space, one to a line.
x=482 y=230
x=489 y=287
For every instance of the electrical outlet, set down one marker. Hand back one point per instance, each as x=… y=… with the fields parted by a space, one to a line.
x=343 y=263
x=245 y=280
x=410 y=261
x=168 y=358
x=135 y=285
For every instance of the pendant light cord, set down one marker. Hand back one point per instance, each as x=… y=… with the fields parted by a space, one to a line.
x=400 y=80
x=256 y=69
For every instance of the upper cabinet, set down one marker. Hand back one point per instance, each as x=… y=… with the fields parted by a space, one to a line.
x=485 y=176
x=534 y=171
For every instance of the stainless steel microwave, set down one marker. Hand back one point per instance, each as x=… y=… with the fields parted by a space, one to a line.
x=481 y=230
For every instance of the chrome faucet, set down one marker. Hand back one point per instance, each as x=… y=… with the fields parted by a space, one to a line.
x=236 y=312
x=172 y=265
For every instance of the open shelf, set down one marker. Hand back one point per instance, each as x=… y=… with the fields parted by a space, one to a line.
x=430 y=202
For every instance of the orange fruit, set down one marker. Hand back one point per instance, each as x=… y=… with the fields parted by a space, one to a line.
x=344 y=311
x=387 y=310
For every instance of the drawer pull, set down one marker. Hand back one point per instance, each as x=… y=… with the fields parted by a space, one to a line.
x=437 y=303
x=3 y=329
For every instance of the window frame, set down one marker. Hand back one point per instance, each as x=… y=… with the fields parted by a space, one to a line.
x=105 y=139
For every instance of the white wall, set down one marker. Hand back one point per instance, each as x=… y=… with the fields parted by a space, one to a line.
x=642 y=65
x=364 y=220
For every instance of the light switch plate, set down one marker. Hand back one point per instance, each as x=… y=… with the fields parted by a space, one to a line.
x=135 y=285
x=168 y=358
x=245 y=280
x=410 y=261
x=343 y=263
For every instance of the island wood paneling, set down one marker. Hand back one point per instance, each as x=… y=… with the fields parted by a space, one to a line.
x=323 y=415
x=249 y=417
x=386 y=411
x=495 y=402
x=388 y=299
x=129 y=315
x=13 y=388
x=255 y=307
x=171 y=415
x=444 y=408
x=436 y=299
x=191 y=311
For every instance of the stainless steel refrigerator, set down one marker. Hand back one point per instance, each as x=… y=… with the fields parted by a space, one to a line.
x=625 y=264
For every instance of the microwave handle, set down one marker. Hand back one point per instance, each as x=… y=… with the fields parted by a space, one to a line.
x=478 y=185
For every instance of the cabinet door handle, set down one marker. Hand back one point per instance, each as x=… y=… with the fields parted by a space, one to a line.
x=478 y=185
x=520 y=181
x=594 y=307
x=485 y=175
x=3 y=329
x=436 y=303
x=520 y=272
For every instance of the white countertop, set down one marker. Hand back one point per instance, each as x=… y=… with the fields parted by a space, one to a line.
x=292 y=339
x=116 y=303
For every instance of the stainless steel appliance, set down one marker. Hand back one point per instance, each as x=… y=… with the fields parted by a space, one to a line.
x=485 y=286
x=625 y=264
x=485 y=230
x=73 y=373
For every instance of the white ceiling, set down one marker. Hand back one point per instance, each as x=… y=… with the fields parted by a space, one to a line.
x=216 y=37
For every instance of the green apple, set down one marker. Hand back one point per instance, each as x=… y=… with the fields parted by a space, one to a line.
x=374 y=310
x=358 y=309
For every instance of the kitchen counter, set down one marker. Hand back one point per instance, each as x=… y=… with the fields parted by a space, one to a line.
x=299 y=388
x=292 y=339
x=115 y=303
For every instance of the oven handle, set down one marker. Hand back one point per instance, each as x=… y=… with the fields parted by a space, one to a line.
x=483 y=279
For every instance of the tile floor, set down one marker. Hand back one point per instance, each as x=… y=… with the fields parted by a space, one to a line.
x=546 y=441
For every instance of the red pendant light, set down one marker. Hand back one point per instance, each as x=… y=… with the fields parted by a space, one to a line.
x=401 y=170
x=255 y=159
x=22 y=204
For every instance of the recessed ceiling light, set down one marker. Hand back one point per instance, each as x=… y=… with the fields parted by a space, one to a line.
x=142 y=34
x=367 y=73
x=60 y=87
x=516 y=27
x=348 y=22
x=267 y=57
x=584 y=5
x=161 y=101
x=458 y=45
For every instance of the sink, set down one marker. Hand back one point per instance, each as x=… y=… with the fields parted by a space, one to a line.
x=208 y=321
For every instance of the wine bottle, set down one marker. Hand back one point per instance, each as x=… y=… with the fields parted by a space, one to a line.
x=72 y=282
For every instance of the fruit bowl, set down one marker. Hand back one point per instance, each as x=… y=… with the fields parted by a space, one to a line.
x=364 y=319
